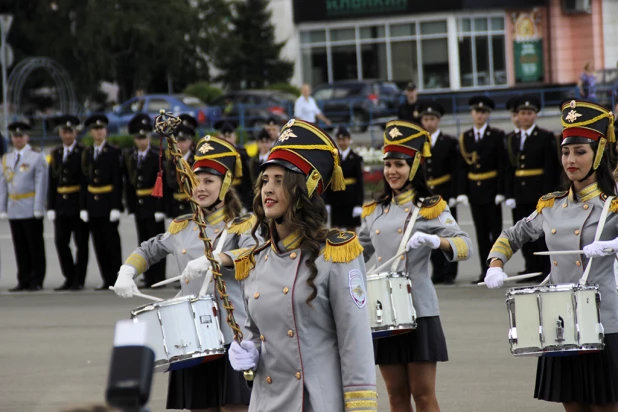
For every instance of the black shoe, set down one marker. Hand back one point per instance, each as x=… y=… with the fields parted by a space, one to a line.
x=77 y=287
x=437 y=280
x=480 y=279
x=101 y=287
x=35 y=288
x=65 y=286
x=18 y=288
x=449 y=280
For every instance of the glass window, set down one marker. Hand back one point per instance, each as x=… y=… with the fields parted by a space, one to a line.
x=154 y=105
x=315 y=66
x=401 y=30
x=373 y=32
x=480 y=24
x=435 y=63
x=373 y=60
x=433 y=27
x=499 y=59
x=342 y=35
x=482 y=60
x=405 y=62
x=313 y=36
x=497 y=23
x=344 y=62
x=464 y=25
x=465 y=62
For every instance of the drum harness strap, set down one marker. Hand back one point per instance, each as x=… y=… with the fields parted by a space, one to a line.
x=208 y=277
x=597 y=235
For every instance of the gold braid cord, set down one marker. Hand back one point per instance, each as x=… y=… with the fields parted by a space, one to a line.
x=165 y=125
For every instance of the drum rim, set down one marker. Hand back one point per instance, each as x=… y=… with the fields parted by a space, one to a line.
x=558 y=287
x=386 y=275
x=170 y=302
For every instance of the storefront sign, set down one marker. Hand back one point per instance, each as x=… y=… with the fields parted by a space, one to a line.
x=528 y=46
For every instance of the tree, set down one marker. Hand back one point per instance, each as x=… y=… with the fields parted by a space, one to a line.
x=251 y=58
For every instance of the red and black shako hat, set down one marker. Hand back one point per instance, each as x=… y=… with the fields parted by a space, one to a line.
x=218 y=157
x=307 y=149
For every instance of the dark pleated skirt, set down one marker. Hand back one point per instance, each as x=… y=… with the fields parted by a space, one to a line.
x=207 y=385
x=588 y=378
x=426 y=343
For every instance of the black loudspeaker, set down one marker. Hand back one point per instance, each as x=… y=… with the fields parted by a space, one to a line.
x=130 y=378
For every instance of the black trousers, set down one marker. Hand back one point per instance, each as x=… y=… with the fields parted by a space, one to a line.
x=29 y=251
x=487 y=219
x=73 y=270
x=106 y=242
x=442 y=268
x=533 y=263
x=148 y=228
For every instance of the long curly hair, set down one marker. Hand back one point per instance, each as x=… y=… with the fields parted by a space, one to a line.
x=307 y=215
x=232 y=206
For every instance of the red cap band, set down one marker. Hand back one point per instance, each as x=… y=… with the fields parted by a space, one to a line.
x=581 y=132
x=297 y=161
x=207 y=163
x=400 y=149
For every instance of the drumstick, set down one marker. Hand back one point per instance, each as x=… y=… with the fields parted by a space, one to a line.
x=141 y=295
x=166 y=281
x=518 y=277
x=388 y=262
x=569 y=252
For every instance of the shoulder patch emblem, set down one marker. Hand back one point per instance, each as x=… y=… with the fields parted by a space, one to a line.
x=357 y=287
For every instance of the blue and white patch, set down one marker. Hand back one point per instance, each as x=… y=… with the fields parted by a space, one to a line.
x=447 y=219
x=357 y=287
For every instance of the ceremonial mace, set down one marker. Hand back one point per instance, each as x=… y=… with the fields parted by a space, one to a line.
x=165 y=125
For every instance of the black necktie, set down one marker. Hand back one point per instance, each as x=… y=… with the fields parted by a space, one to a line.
x=16 y=161
x=140 y=158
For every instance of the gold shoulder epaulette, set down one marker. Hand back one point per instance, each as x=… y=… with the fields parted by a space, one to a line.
x=548 y=200
x=613 y=207
x=432 y=207
x=242 y=223
x=342 y=247
x=179 y=223
x=245 y=262
x=368 y=209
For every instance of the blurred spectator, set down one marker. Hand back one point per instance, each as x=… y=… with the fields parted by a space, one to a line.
x=242 y=184
x=264 y=143
x=587 y=83
x=305 y=107
x=409 y=109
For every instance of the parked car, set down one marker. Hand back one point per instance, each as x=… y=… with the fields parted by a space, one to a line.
x=152 y=103
x=358 y=102
x=251 y=108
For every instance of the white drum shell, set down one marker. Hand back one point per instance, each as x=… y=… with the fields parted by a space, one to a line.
x=554 y=318
x=393 y=292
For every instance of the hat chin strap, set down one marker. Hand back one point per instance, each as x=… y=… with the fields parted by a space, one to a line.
x=598 y=155
x=414 y=167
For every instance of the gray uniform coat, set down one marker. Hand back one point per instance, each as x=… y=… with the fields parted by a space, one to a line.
x=569 y=225
x=182 y=241
x=23 y=185
x=312 y=358
x=382 y=231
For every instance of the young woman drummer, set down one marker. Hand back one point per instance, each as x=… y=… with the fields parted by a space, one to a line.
x=308 y=336
x=212 y=385
x=569 y=220
x=408 y=362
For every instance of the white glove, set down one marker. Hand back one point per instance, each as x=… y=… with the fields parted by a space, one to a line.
x=3 y=215
x=196 y=268
x=243 y=356
x=499 y=199
x=38 y=214
x=159 y=217
x=510 y=203
x=114 y=215
x=463 y=199
x=495 y=277
x=328 y=209
x=419 y=239
x=452 y=202
x=596 y=249
x=132 y=216
x=51 y=215
x=357 y=211
x=83 y=215
x=125 y=286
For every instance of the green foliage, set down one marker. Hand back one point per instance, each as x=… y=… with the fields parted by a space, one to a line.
x=203 y=91
x=249 y=56
x=285 y=87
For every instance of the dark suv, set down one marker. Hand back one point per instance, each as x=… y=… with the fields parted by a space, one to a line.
x=358 y=103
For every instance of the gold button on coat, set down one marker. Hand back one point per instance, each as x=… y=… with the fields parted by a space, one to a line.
x=577 y=232
x=564 y=205
x=265 y=258
x=586 y=207
x=285 y=290
x=407 y=209
x=293 y=255
x=578 y=263
x=379 y=258
x=291 y=333
x=256 y=295
x=269 y=380
x=184 y=251
x=377 y=231
x=386 y=210
x=553 y=231
x=402 y=257
x=195 y=228
x=555 y=263
x=298 y=375
x=216 y=230
x=262 y=338
x=399 y=230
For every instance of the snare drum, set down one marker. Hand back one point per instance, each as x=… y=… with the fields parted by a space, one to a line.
x=554 y=319
x=183 y=331
x=390 y=304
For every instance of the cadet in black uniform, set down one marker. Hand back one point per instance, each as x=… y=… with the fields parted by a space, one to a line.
x=347 y=206
x=481 y=176
x=65 y=182
x=272 y=127
x=242 y=183
x=531 y=171
x=101 y=198
x=264 y=143
x=409 y=109
x=177 y=202
x=142 y=167
x=441 y=173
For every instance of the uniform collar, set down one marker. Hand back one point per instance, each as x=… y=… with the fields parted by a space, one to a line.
x=216 y=217
x=290 y=242
x=403 y=198
x=345 y=153
x=587 y=193
x=434 y=137
x=23 y=149
x=481 y=130
x=70 y=148
x=529 y=131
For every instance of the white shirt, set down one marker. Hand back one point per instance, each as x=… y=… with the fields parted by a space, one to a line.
x=345 y=153
x=479 y=132
x=68 y=150
x=263 y=158
x=97 y=149
x=187 y=155
x=524 y=135
x=306 y=109
x=434 y=137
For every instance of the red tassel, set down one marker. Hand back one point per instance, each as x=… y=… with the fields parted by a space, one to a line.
x=157 y=191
